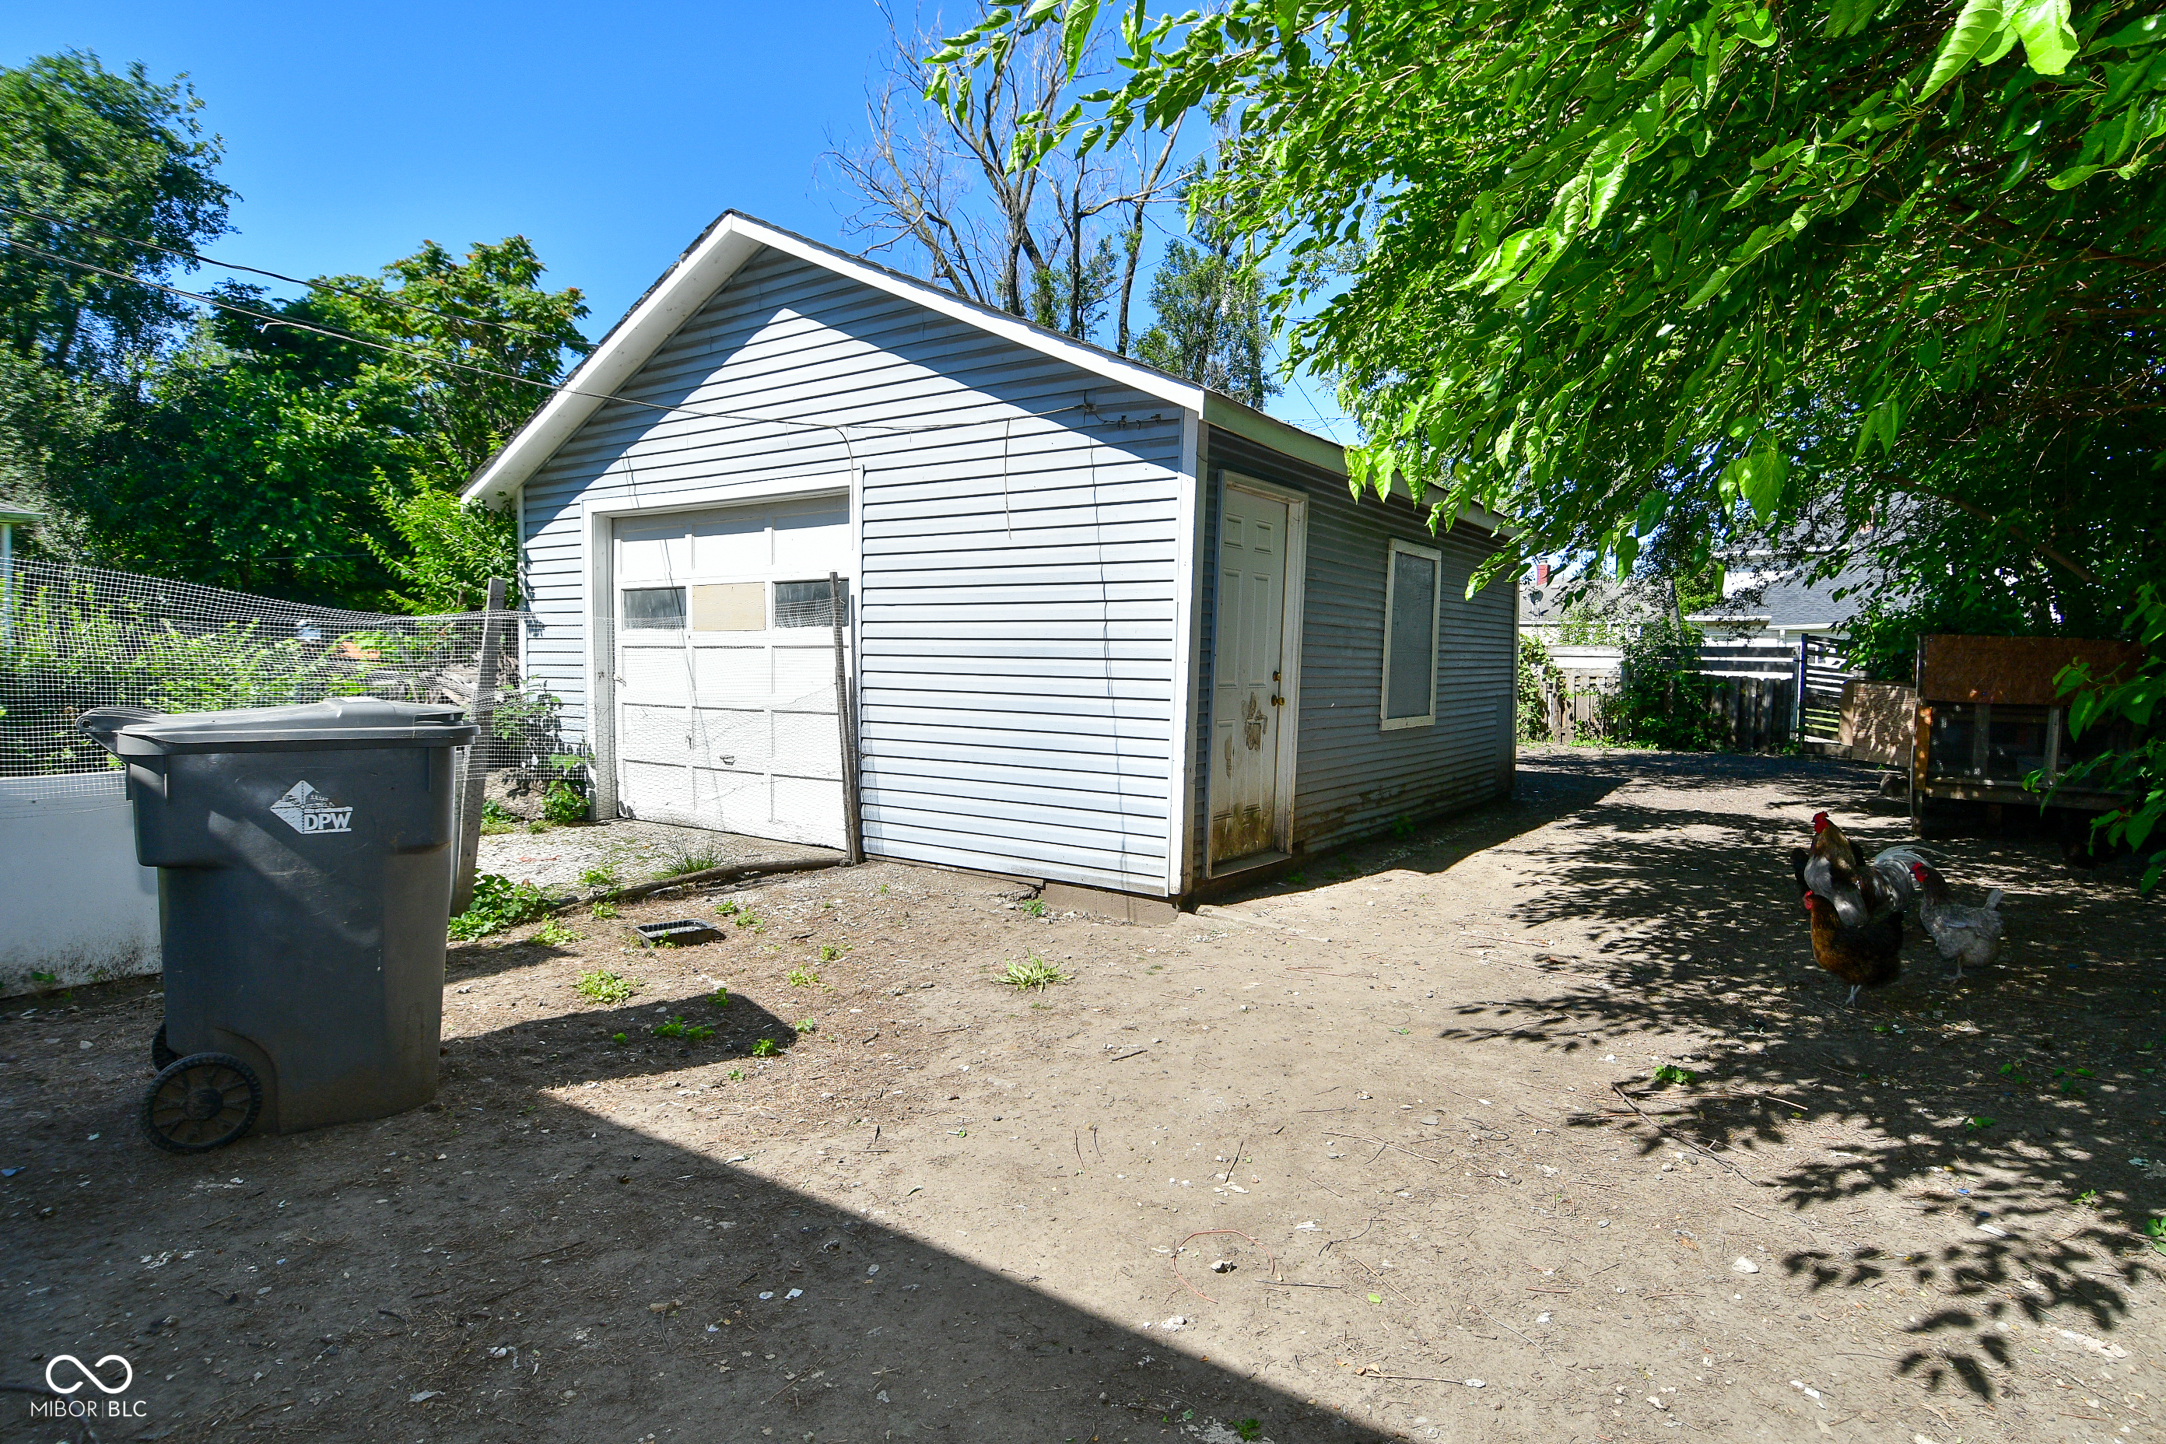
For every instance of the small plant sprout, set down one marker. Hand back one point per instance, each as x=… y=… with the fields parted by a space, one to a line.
x=737 y=1075
x=726 y=908
x=720 y=997
x=1248 y=1428
x=809 y=1025
x=765 y=1048
x=1976 y=1125
x=555 y=934
x=679 y=1028
x=599 y=876
x=603 y=986
x=880 y=891
x=829 y=952
x=616 y=1037
x=1671 y=1073
x=1033 y=973
x=2087 y=1199
x=803 y=978
x=603 y=911
x=2154 y=1229
x=1035 y=907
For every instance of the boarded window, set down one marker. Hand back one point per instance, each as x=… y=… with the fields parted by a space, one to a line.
x=729 y=607
x=1411 y=589
x=653 y=608
x=809 y=604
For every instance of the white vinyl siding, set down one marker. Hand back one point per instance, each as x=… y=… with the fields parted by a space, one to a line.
x=1015 y=525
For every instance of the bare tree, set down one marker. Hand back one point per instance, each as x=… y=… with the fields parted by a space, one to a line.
x=938 y=188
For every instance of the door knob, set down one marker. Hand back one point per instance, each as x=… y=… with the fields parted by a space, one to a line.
x=1278 y=701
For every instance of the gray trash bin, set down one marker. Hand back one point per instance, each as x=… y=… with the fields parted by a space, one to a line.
x=304 y=873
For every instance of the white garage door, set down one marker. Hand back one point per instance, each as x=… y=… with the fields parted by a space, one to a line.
x=726 y=668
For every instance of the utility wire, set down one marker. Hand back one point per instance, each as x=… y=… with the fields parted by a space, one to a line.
x=274 y=275
x=549 y=386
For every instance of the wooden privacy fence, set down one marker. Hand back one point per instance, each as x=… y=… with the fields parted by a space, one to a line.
x=1757 y=713
x=1752 y=714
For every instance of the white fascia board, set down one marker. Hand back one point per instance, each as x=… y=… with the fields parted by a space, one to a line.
x=703 y=270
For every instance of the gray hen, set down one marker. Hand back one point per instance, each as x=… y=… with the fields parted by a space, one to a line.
x=1963 y=934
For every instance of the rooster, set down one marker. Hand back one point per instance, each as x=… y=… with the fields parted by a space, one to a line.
x=1868 y=954
x=1833 y=870
x=1963 y=934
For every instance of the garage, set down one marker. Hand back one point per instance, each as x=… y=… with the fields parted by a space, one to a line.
x=725 y=667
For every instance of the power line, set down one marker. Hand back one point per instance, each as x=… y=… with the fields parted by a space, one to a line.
x=274 y=275
x=549 y=386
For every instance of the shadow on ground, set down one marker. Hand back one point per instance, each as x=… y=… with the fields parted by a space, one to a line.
x=506 y=1266
x=2018 y=1078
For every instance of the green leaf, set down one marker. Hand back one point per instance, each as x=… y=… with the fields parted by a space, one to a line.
x=1659 y=57
x=2049 y=41
x=2074 y=176
x=1975 y=28
x=1075 y=32
x=2139 y=32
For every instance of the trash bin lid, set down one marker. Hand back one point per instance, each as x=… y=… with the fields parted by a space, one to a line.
x=338 y=723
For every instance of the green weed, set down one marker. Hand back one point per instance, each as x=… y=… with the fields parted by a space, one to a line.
x=829 y=952
x=1035 y=907
x=600 y=876
x=690 y=862
x=1248 y=1428
x=679 y=1028
x=809 y=1025
x=603 y=911
x=1976 y=1125
x=603 y=986
x=803 y=978
x=616 y=1037
x=2087 y=1199
x=737 y=1075
x=2154 y=1229
x=1033 y=973
x=1670 y=1073
x=499 y=903
x=765 y=1048
x=720 y=997
x=555 y=934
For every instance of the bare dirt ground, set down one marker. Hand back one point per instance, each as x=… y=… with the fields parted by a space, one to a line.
x=1381 y=1095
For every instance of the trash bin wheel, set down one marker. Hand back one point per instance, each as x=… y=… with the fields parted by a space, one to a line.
x=201 y=1102
x=162 y=1055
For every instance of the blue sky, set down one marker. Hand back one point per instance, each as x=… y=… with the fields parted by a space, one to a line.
x=608 y=135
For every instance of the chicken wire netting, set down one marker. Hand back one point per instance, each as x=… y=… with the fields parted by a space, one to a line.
x=74 y=638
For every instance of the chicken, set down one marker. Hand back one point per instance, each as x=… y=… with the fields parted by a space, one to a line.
x=1869 y=955
x=1892 y=866
x=1834 y=870
x=1963 y=934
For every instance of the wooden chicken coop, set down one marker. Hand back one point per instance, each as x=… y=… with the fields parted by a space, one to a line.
x=1989 y=716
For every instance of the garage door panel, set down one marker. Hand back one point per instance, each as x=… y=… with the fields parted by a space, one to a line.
x=653 y=672
x=735 y=673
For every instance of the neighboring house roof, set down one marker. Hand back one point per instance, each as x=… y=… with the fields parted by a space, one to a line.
x=734 y=238
x=1777 y=596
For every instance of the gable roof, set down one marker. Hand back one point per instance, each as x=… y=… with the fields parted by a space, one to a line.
x=733 y=239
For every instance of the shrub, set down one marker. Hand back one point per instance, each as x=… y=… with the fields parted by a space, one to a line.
x=1539 y=679
x=564 y=804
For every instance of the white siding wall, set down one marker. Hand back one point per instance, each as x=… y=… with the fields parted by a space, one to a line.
x=1017 y=595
